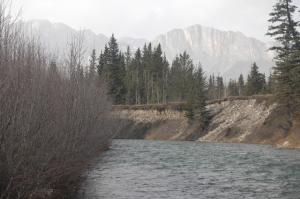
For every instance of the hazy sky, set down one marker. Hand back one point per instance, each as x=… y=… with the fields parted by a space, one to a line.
x=148 y=18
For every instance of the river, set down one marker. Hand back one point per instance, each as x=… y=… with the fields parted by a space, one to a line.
x=138 y=169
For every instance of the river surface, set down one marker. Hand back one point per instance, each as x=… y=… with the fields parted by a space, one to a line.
x=138 y=169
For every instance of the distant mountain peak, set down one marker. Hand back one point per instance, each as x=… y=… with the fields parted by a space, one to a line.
x=227 y=53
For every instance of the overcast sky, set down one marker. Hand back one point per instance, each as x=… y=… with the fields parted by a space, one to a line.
x=148 y=18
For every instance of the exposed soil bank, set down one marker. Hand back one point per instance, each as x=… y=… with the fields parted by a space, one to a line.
x=238 y=121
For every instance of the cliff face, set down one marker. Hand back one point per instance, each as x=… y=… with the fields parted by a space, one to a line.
x=225 y=52
x=234 y=121
x=157 y=125
x=238 y=121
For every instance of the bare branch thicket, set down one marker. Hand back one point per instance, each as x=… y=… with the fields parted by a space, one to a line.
x=51 y=125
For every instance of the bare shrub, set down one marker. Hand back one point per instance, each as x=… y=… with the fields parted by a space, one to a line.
x=51 y=125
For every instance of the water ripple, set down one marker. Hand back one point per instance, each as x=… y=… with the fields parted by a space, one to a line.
x=135 y=169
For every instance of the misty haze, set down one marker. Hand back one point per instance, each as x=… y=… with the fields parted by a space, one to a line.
x=149 y=99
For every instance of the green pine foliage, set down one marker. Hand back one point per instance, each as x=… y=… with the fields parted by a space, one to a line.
x=233 y=88
x=93 y=64
x=144 y=76
x=241 y=85
x=256 y=83
x=199 y=95
x=285 y=30
x=112 y=68
x=181 y=77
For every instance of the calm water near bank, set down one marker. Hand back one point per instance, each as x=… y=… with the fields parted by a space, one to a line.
x=136 y=169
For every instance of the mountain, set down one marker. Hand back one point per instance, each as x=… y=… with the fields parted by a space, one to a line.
x=57 y=36
x=220 y=52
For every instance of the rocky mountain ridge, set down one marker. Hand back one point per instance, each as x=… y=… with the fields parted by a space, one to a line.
x=225 y=53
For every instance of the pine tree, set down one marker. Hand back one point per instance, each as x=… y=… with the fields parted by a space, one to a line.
x=102 y=67
x=220 y=87
x=196 y=102
x=256 y=81
x=116 y=72
x=136 y=74
x=128 y=76
x=270 y=88
x=211 y=87
x=233 y=88
x=284 y=30
x=241 y=85
x=127 y=57
x=201 y=113
x=148 y=77
x=92 y=66
x=181 y=77
x=165 y=79
x=157 y=74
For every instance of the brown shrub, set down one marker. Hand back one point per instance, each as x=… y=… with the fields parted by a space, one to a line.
x=51 y=125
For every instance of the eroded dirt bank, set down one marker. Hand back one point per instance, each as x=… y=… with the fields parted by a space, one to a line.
x=238 y=121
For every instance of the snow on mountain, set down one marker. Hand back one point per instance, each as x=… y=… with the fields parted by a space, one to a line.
x=220 y=52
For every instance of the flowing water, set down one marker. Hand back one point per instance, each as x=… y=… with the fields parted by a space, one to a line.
x=137 y=169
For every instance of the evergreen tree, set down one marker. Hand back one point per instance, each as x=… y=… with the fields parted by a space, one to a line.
x=270 y=88
x=181 y=77
x=233 y=88
x=92 y=66
x=196 y=103
x=241 y=85
x=212 y=88
x=116 y=72
x=157 y=74
x=220 y=88
x=256 y=82
x=148 y=71
x=137 y=74
x=201 y=113
x=165 y=79
x=284 y=29
x=128 y=77
x=127 y=57
x=102 y=67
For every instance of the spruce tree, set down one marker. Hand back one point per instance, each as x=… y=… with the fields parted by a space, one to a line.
x=241 y=85
x=220 y=87
x=196 y=102
x=92 y=66
x=233 y=88
x=181 y=77
x=256 y=82
x=201 y=113
x=211 y=87
x=116 y=72
x=284 y=29
x=136 y=74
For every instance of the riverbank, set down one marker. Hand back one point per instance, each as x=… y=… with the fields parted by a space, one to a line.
x=255 y=121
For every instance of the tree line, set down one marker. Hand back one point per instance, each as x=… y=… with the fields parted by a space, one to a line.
x=146 y=77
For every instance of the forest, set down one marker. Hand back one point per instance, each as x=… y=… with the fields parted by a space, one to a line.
x=53 y=124
x=146 y=77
